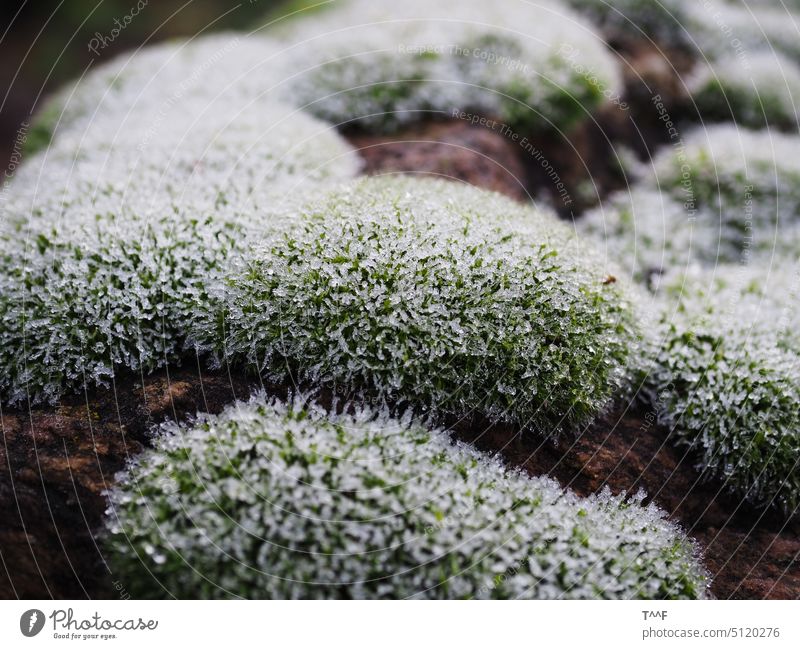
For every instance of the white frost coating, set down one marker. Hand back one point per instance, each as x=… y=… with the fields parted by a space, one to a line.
x=765 y=92
x=285 y=501
x=200 y=154
x=112 y=234
x=144 y=85
x=728 y=195
x=437 y=295
x=726 y=374
x=386 y=63
x=737 y=30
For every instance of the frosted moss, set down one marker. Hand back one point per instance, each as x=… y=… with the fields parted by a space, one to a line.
x=108 y=247
x=725 y=195
x=665 y=21
x=646 y=231
x=749 y=72
x=146 y=85
x=285 y=501
x=437 y=295
x=745 y=184
x=727 y=378
x=716 y=30
x=384 y=64
x=737 y=31
x=762 y=91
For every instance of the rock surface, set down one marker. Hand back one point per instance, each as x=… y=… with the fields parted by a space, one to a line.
x=454 y=150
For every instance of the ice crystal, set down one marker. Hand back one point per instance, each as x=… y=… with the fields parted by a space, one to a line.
x=269 y=500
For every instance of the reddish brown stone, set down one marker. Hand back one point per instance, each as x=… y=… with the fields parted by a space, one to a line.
x=453 y=150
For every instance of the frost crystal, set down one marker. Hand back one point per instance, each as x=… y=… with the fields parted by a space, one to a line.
x=436 y=294
x=285 y=501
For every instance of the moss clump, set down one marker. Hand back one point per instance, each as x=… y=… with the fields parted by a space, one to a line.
x=382 y=65
x=725 y=195
x=727 y=379
x=665 y=21
x=144 y=87
x=284 y=501
x=647 y=231
x=715 y=30
x=761 y=92
x=741 y=32
x=745 y=184
x=437 y=295
x=107 y=248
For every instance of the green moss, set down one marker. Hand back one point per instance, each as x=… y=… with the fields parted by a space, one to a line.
x=434 y=295
x=725 y=378
x=270 y=500
x=761 y=91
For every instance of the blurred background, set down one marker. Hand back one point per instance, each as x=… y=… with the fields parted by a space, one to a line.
x=44 y=43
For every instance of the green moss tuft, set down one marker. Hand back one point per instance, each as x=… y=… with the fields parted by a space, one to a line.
x=437 y=295
x=726 y=377
x=285 y=501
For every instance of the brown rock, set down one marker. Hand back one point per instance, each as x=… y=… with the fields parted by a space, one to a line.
x=59 y=463
x=455 y=150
